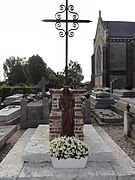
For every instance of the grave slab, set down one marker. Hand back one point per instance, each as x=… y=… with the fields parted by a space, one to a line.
x=99 y=151
x=6 y=132
x=93 y=170
x=37 y=148
x=120 y=168
x=107 y=117
x=9 y=114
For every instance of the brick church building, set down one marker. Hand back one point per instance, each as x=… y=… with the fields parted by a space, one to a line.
x=114 y=53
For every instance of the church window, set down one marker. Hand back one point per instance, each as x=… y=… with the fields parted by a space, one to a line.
x=98 y=59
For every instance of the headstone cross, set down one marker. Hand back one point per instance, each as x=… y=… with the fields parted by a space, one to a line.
x=43 y=84
x=66 y=32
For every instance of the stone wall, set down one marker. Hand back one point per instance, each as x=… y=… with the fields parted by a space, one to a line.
x=55 y=115
x=117 y=56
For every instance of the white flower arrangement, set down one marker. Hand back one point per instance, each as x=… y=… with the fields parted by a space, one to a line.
x=68 y=147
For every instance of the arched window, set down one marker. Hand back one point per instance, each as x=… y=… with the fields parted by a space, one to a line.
x=98 y=59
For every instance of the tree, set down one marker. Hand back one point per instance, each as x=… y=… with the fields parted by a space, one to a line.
x=74 y=72
x=14 y=70
x=51 y=77
x=60 y=79
x=56 y=80
x=35 y=69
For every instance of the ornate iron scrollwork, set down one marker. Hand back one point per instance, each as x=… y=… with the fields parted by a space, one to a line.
x=75 y=18
x=75 y=23
x=62 y=32
x=71 y=10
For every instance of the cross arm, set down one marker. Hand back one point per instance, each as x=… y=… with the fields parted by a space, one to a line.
x=64 y=21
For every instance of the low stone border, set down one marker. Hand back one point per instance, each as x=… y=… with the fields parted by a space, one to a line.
x=6 y=132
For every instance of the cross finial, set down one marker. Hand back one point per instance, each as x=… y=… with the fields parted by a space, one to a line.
x=99 y=13
x=128 y=107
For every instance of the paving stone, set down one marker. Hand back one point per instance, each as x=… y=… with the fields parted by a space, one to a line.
x=12 y=164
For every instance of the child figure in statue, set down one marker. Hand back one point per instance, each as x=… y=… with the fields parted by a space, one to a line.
x=67 y=104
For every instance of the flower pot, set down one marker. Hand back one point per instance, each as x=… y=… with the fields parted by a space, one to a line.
x=69 y=163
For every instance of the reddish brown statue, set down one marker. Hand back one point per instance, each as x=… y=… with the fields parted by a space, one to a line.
x=66 y=104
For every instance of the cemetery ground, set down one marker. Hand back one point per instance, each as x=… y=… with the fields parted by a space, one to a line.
x=115 y=132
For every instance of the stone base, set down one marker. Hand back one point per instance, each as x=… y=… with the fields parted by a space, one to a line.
x=37 y=148
x=120 y=168
x=93 y=170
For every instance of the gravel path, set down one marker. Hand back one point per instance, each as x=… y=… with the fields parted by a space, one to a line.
x=115 y=132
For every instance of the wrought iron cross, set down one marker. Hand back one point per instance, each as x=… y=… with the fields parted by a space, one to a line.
x=67 y=32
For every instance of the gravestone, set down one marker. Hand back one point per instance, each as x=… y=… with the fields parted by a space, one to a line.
x=101 y=99
x=34 y=113
x=86 y=109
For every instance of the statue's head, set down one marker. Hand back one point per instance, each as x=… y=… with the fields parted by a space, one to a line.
x=66 y=90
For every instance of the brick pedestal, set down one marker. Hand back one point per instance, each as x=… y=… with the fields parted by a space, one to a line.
x=55 y=115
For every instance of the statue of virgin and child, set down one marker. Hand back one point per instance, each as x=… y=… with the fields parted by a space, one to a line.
x=66 y=105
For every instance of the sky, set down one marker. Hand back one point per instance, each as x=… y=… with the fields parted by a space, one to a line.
x=23 y=34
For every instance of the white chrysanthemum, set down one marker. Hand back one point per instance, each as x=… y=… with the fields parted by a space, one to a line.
x=68 y=147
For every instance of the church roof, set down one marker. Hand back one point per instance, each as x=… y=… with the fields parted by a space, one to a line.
x=120 y=28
